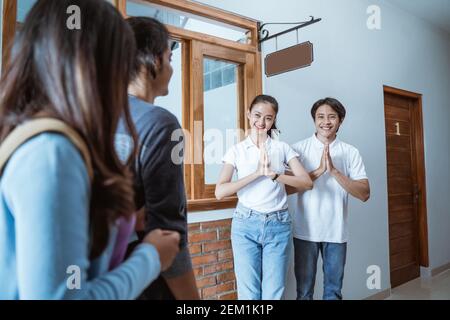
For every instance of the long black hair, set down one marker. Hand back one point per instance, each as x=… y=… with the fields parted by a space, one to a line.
x=80 y=77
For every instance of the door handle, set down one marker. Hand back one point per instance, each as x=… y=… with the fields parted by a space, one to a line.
x=416 y=192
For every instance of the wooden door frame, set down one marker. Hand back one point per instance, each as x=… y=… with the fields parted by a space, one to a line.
x=418 y=161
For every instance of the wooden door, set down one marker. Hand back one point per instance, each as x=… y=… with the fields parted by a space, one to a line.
x=405 y=188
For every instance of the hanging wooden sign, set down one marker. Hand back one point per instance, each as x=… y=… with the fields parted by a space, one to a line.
x=292 y=58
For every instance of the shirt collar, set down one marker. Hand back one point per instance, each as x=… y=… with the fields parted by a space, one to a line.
x=248 y=142
x=319 y=143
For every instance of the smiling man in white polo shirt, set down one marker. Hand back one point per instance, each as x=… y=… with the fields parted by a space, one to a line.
x=320 y=220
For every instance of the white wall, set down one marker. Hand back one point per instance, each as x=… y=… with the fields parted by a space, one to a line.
x=352 y=63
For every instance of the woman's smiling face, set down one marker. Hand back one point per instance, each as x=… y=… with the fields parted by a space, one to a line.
x=261 y=117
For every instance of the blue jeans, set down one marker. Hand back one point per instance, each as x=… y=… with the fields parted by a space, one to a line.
x=333 y=256
x=261 y=249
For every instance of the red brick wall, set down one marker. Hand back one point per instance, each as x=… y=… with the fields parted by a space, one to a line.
x=212 y=259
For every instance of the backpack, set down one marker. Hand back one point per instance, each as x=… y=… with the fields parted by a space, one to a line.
x=36 y=126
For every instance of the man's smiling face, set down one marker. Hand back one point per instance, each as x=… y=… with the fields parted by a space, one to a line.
x=327 y=122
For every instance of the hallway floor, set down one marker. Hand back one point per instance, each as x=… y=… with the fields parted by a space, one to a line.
x=435 y=288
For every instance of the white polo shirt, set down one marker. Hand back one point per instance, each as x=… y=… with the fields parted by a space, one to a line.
x=263 y=194
x=321 y=213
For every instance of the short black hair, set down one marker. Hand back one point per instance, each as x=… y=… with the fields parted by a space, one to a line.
x=335 y=104
x=152 y=40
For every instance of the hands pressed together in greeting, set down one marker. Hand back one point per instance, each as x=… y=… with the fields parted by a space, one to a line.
x=264 y=168
x=326 y=163
x=360 y=189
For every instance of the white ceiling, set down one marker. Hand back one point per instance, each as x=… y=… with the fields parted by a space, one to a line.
x=436 y=12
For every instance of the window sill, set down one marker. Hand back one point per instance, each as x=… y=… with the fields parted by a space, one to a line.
x=211 y=204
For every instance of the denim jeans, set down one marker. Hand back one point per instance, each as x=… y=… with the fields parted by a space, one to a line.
x=262 y=244
x=333 y=256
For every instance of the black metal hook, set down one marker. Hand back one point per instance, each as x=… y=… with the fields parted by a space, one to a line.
x=264 y=35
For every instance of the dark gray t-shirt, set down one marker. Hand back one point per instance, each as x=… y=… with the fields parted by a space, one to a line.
x=159 y=181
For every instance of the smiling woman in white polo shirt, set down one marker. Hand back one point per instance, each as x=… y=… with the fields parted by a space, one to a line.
x=261 y=232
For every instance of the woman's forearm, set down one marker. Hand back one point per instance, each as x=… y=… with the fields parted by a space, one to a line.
x=229 y=188
x=315 y=174
x=298 y=182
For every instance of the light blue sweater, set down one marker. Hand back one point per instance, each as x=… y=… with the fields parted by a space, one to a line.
x=44 y=230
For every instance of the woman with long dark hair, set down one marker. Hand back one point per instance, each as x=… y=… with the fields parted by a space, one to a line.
x=57 y=227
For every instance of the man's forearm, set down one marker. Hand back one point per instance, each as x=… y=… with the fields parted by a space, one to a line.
x=183 y=287
x=180 y=277
x=359 y=189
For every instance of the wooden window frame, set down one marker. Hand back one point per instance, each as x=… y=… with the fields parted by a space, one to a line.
x=9 y=16
x=200 y=196
x=208 y=12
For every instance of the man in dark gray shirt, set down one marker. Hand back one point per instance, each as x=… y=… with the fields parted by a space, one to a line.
x=159 y=183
